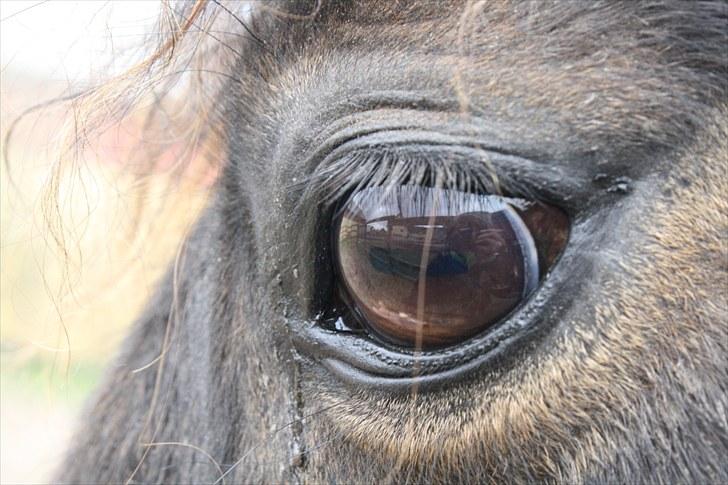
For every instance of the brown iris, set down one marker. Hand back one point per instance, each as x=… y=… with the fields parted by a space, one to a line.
x=427 y=267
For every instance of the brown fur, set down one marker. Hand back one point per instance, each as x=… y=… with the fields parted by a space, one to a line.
x=629 y=386
x=600 y=392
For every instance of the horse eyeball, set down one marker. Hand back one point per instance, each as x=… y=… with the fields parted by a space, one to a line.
x=427 y=267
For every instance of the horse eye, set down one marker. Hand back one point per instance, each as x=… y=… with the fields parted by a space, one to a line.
x=429 y=267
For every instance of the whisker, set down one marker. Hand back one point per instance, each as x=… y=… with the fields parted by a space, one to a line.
x=273 y=435
x=188 y=445
x=23 y=10
x=244 y=25
x=174 y=312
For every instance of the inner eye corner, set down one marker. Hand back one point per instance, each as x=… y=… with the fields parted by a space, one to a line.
x=430 y=268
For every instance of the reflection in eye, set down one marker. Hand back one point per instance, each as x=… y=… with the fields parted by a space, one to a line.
x=432 y=267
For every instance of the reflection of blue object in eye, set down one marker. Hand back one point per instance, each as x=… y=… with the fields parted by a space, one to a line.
x=448 y=264
x=404 y=264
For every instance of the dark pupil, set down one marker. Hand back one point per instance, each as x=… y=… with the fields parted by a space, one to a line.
x=430 y=267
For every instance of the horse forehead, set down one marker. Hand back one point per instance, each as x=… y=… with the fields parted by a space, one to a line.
x=584 y=77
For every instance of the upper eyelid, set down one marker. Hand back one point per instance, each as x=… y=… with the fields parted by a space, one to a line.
x=352 y=165
x=363 y=167
x=370 y=148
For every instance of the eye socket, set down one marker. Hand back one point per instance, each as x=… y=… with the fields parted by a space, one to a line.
x=428 y=267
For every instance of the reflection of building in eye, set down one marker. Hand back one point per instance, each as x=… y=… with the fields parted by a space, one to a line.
x=400 y=231
x=377 y=226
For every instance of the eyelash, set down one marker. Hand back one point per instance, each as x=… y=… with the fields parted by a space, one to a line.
x=332 y=183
